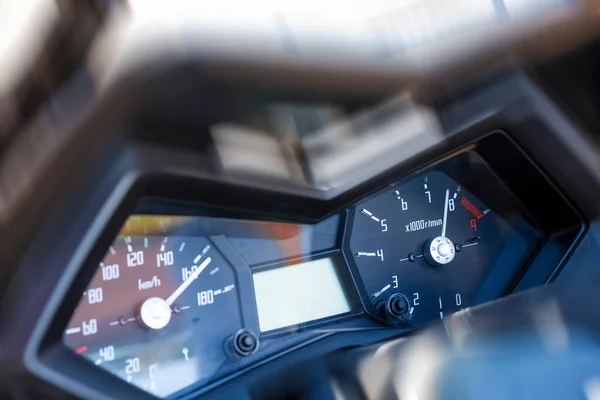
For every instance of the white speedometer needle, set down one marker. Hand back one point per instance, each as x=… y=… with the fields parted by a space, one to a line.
x=188 y=282
x=445 y=213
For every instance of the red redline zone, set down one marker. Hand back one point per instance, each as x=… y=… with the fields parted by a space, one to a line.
x=469 y=206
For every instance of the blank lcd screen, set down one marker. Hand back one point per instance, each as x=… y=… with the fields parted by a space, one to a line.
x=298 y=293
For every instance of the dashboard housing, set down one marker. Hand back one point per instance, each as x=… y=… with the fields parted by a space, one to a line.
x=126 y=168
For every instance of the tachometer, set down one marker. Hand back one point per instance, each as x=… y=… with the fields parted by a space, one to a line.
x=427 y=246
x=158 y=312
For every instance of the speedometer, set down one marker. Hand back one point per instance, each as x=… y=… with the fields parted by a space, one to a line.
x=159 y=312
x=424 y=247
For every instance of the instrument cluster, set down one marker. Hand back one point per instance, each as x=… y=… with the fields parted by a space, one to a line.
x=186 y=300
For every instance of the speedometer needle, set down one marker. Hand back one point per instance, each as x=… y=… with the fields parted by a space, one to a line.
x=445 y=213
x=188 y=282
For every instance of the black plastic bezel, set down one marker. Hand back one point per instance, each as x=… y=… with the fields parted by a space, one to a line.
x=58 y=357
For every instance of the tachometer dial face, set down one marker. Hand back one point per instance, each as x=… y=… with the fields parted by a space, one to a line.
x=435 y=243
x=158 y=312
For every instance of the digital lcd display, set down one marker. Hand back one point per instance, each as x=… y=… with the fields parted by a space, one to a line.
x=299 y=293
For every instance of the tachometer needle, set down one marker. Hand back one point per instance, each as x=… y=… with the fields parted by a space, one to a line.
x=188 y=282
x=445 y=213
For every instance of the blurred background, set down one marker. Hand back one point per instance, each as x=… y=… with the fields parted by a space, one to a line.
x=315 y=99
x=67 y=56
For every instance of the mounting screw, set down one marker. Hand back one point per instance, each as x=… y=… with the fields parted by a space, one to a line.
x=397 y=307
x=244 y=343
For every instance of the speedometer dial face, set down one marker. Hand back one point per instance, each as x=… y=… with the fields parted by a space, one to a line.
x=158 y=312
x=427 y=246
